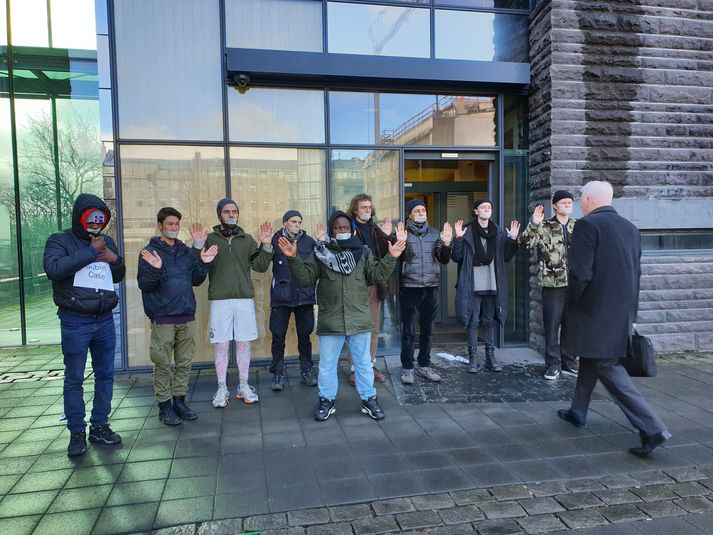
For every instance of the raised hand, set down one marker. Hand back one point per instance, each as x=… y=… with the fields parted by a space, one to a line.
x=151 y=258
x=538 y=215
x=207 y=256
x=287 y=247
x=459 y=230
x=266 y=233
x=514 y=229
x=387 y=227
x=401 y=234
x=321 y=232
x=447 y=234
x=395 y=249
x=97 y=242
x=198 y=235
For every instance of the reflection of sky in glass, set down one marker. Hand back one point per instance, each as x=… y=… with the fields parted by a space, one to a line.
x=283 y=115
x=463 y=35
x=378 y=30
x=73 y=24
x=5 y=141
x=3 y=24
x=29 y=22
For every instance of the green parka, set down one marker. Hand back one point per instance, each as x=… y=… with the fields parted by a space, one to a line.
x=343 y=300
x=229 y=273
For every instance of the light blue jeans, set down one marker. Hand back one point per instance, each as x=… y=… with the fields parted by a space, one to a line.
x=330 y=346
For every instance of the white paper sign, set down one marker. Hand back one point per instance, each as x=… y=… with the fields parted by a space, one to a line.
x=96 y=275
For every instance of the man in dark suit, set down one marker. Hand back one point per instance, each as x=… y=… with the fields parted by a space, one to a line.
x=603 y=297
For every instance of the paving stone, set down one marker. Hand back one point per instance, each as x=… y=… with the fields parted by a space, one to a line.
x=418 y=519
x=375 y=525
x=538 y=506
x=432 y=501
x=580 y=500
x=688 y=489
x=707 y=483
x=695 y=504
x=307 y=517
x=461 y=515
x=685 y=474
x=654 y=493
x=284 y=531
x=184 y=511
x=502 y=509
x=661 y=509
x=547 y=488
x=616 y=496
x=467 y=497
x=350 y=512
x=582 y=518
x=583 y=485
x=460 y=529
x=186 y=529
x=335 y=528
x=221 y=527
x=393 y=506
x=619 y=482
x=510 y=492
x=540 y=524
x=500 y=526
x=622 y=513
x=652 y=478
x=262 y=522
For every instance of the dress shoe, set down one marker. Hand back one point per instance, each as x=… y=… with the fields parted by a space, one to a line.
x=569 y=416
x=650 y=443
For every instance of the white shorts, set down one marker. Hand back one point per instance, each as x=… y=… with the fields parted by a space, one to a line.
x=232 y=319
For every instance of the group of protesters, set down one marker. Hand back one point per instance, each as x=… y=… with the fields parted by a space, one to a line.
x=344 y=268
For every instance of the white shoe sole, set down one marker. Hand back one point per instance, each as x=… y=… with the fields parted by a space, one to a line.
x=571 y=374
x=371 y=414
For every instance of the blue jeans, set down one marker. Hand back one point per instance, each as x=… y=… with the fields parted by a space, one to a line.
x=330 y=346
x=99 y=338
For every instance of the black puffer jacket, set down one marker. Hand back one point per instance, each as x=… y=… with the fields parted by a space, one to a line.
x=69 y=251
x=422 y=259
x=284 y=291
x=168 y=291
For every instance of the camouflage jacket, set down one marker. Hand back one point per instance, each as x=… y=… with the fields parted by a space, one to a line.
x=549 y=240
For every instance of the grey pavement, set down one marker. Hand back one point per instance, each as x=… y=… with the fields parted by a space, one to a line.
x=432 y=466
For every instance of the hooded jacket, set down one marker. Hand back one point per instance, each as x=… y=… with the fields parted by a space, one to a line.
x=68 y=251
x=168 y=291
x=284 y=291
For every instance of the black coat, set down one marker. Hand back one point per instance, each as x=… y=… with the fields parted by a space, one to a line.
x=284 y=291
x=168 y=291
x=462 y=252
x=69 y=251
x=603 y=291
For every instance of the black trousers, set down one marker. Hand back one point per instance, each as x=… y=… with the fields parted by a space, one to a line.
x=421 y=302
x=279 y=321
x=553 y=310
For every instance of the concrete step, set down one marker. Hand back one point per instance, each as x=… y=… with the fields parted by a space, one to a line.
x=661 y=282
x=675 y=259
x=682 y=327
x=677 y=315
x=678 y=268
x=680 y=342
x=675 y=305
x=681 y=294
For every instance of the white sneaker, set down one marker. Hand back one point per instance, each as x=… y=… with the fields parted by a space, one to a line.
x=246 y=393
x=222 y=397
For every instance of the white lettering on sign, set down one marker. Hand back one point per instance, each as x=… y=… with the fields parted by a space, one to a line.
x=96 y=276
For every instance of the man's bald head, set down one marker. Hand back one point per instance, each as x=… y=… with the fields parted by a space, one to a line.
x=596 y=194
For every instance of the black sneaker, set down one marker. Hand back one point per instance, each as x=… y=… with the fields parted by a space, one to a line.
x=102 y=434
x=77 y=443
x=307 y=377
x=552 y=373
x=325 y=408
x=568 y=416
x=278 y=381
x=572 y=369
x=372 y=408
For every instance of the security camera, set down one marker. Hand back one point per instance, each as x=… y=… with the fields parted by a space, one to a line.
x=242 y=80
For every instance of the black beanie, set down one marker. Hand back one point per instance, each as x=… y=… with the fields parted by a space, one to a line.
x=413 y=203
x=223 y=203
x=481 y=201
x=561 y=194
x=290 y=214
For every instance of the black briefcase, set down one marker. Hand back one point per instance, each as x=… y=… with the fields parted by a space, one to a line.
x=640 y=360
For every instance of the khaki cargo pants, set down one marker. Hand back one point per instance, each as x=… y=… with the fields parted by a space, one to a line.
x=167 y=341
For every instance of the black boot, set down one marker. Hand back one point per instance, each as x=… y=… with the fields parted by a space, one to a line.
x=167 y=415
x=650 y=443
x=490 y=361
x=473 y=364
x=182 y=409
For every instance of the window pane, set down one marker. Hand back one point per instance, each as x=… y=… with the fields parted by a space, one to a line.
x=29 y=22
x=481 y=36
x=518 y=272
x=375 y=172
x=516 y=131
x=378 y=30
x=192 y=180
x=10 y=333
x=153 y=60
x=501 y=4
x=73 y=24
x=3 y=23
x=402 y=119
x=267 y=182
x=274 y=24
x=282 y=115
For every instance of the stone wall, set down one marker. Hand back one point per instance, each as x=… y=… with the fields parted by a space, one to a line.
x=622 y=91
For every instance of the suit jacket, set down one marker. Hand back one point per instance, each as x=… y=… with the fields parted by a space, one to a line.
x=603 y=291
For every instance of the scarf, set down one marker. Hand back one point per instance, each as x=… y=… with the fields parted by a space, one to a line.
x=343 y=261
x=484 y=255
x=418 y=231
